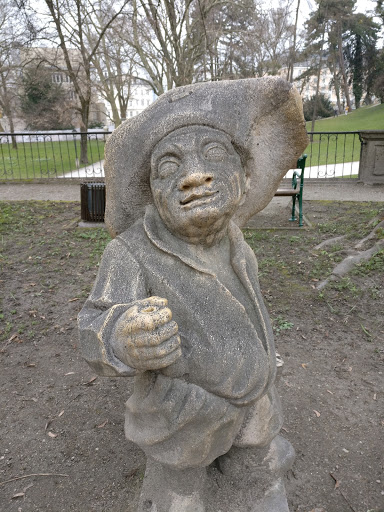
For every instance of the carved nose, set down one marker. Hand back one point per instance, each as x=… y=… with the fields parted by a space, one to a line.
x=195 y=179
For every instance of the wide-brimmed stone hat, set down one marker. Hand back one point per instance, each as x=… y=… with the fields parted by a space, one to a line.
x=263 y=117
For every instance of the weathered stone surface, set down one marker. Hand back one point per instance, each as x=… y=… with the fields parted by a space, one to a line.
x=177 y=303
x=263 y=117
x=371 y=171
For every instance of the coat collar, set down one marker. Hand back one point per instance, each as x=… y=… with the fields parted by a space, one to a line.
x=168 y=243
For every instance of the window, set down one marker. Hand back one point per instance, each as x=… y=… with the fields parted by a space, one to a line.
x=142 y=102
x=148 y=102
x=131 y=114
x=130 y=103
x=57 y=77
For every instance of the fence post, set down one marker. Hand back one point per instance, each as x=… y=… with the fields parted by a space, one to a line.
x=371 y=169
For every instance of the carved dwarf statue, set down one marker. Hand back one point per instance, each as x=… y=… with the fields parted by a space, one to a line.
x=177 y=303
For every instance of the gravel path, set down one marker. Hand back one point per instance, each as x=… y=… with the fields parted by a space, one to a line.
x=59 y=191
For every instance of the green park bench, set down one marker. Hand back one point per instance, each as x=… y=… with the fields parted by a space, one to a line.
x=294 y=192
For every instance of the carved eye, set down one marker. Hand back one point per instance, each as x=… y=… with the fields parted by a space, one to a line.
x=215 y=152
x=167 y=166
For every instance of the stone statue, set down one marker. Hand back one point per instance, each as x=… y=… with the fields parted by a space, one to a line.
x=177 y=303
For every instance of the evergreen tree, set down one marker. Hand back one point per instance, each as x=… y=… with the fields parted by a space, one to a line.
x=43 y=102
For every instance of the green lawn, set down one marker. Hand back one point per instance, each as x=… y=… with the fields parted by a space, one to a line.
x=334 y=149
x=364 y=118
x=45 y=159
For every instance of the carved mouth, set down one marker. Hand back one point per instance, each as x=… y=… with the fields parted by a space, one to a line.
x=197 y=199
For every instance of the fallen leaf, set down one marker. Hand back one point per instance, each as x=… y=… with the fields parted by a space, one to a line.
x=60 y=413
x=316 y=412
x=90 y=382
x=69 y=373
x=374 y=396
x=73 y=300
x=18 y=495
x=47 y=424
x=15 y=338
x=329 y=392
x=102 y=424
x=32 y=313
x=304 y=365
x=337 y=482
x=51 y=434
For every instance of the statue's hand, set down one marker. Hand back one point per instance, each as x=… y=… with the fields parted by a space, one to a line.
x=146 y=337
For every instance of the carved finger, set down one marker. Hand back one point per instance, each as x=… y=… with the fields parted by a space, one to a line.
x=156 y=352
x=157 y=364
x=134 y=320
x=154 y=301
x=155 y=337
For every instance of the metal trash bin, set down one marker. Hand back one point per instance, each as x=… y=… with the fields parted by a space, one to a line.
x=92 y=201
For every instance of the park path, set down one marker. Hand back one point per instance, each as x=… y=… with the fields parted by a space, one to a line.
x=65 y=190
x=95 y=170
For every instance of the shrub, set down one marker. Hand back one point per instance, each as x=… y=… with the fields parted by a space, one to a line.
x=324 y=107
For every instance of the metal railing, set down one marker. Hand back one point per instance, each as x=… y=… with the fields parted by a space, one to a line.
x=46 y=155
x=333 y=155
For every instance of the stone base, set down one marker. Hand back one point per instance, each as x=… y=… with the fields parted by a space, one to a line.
x=243 y=480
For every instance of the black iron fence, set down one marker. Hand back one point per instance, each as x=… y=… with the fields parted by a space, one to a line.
x=333 y=155
x=69 y=155
x=66 y=155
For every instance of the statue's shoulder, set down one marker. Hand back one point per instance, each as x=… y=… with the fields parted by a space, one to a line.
x=133 y=235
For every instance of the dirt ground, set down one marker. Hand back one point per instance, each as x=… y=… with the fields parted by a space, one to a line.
x=62 y=443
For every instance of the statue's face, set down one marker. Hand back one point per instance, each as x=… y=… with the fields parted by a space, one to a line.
x=197 y=180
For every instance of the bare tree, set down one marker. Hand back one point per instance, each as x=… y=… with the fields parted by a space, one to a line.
x=167 y=36
x=13 y=35
x=65 y=25
x=113 y=63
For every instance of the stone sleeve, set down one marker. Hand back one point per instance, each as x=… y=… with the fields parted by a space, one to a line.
x=118 y=285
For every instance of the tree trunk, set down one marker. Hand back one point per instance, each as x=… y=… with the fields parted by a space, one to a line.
x=83 y=128
x=342 y=67
x=314 y=115
x=337 y=89
x=293 y=53
x=358 y=72
x=12 y=130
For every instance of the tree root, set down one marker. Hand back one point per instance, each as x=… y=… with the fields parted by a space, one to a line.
x=349 y=262
x=354 y=256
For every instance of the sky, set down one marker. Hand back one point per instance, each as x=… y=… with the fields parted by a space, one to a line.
x=306 y=6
